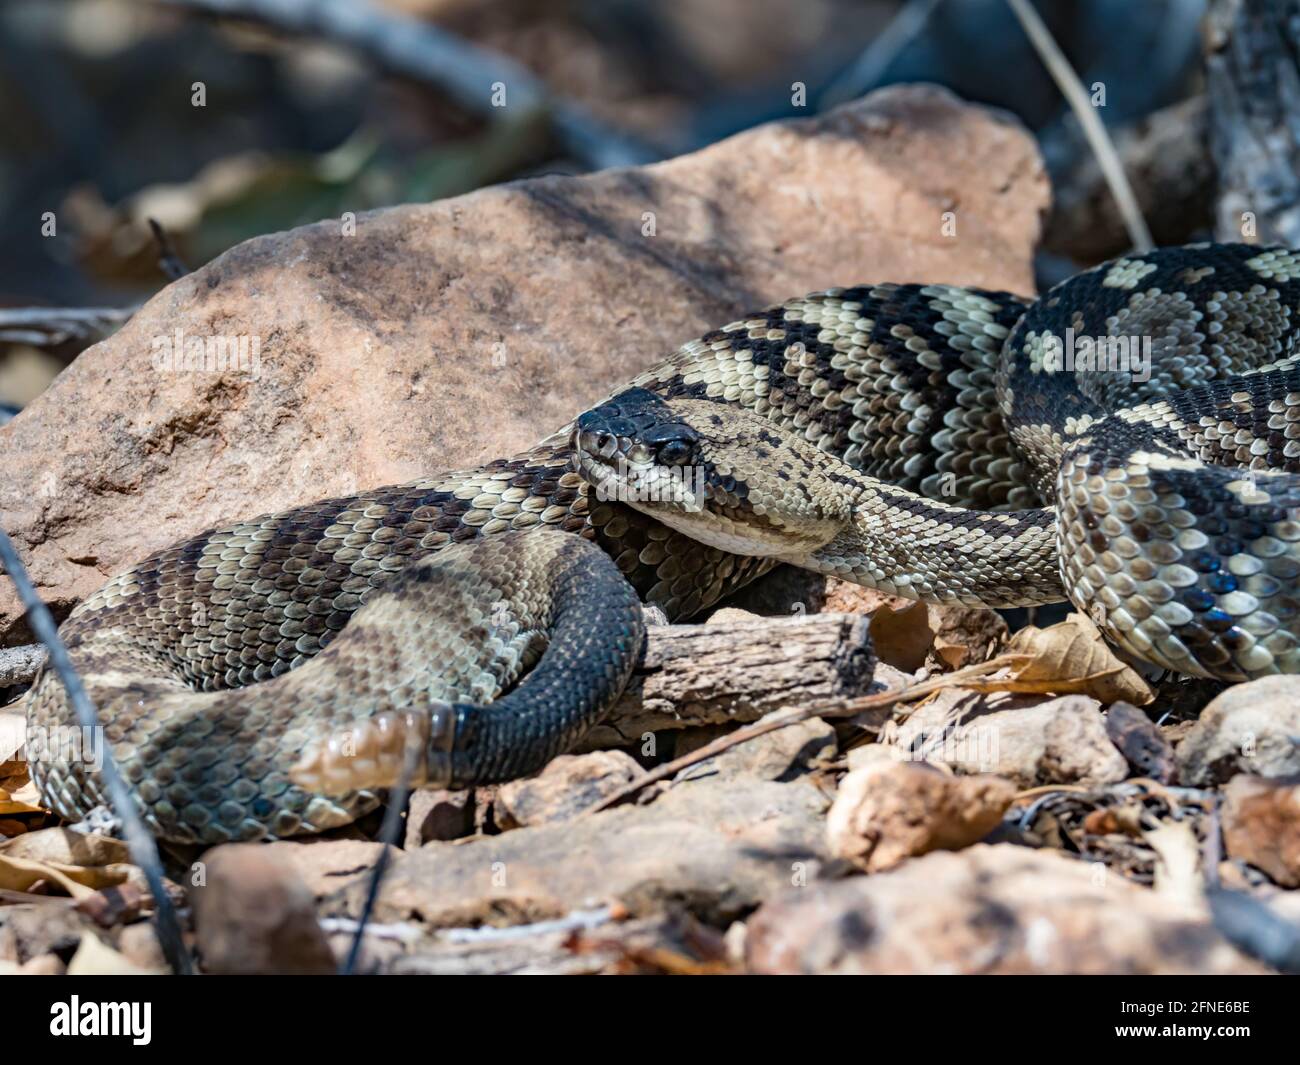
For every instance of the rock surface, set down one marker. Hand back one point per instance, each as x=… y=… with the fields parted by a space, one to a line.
x=445 y=334
x=1030 y=741
x=887 y=812
x=253 y=915
x=325 y=865
x=986 y=909
x=714 y=848
x=568 y=785
x=779 y=755
x=1261 y=825
x=438 y=814
x=1250 y=728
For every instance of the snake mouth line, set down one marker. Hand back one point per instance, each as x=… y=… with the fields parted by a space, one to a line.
x=696 y=500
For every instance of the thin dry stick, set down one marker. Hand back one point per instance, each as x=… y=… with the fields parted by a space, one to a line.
x=50 y=326
x=143 y=850
x=784 y=719
x=169 y=262
x=867 y=70
x=388 y=830
x=426 y=53
x=1098 y=139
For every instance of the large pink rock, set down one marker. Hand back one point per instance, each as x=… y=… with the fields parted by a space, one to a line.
x=440 y=335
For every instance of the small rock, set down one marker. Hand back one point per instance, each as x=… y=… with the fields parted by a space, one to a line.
x=1250 y=728
x=438 y=814
x=1140 y=741
x=325 y=865
x=716 y=848
x=568 y=785
x=780 y=755
x=845 y=598
x=730 y=615
x=255 y=916
x=870 y=754
x=887 y=812
x=653 y=614
x=965 y=635
x=43 y=965
x=138 y=944
x=27 y=931
x=988 y=909
x=1261 y=825
x=94 y=957
x=1052 y=741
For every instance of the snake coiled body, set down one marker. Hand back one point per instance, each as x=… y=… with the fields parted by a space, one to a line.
x=258 y=680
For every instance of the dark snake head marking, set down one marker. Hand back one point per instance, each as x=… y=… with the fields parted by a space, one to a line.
x=641 y=426
x=694 y=465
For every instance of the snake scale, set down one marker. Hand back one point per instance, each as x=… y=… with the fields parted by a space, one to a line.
x=264 y=679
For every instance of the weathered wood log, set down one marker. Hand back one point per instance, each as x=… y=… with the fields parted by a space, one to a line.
x=738 y=671
x=1253 y=82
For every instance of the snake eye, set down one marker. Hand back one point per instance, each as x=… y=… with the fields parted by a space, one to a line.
x=674 y=453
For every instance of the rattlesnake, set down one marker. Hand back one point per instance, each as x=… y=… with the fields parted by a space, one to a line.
x=259 y=680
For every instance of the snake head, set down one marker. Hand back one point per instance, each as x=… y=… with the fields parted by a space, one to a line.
x=637 y=446
x=725 y=477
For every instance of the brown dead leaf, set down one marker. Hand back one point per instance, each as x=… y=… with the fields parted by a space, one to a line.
x=953 y=655
x=79 y=864
x=66 y=847
x=902 y=637
x=21 y=874
x=13 y=734
x=1115 y=820
x=1066 y=659
x=10 y=805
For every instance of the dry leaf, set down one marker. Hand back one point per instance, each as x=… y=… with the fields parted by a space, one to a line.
x=953 y=655
x=66 y=847
x=1066 y=659
x=80 y=864
x=903 y=637
x=21 y=874
x=1178 y=877
x=13 y=734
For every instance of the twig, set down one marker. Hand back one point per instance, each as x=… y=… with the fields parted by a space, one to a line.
x=51 y=326
x=171 y=264
x=783 y=719
x=870 y=67
x=389 y=828
x=144 y=852
x=1255 y=928
x=400 y=933
x=18 y=665
x=432 y=56
x=1098 y=139
x=578 y=921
